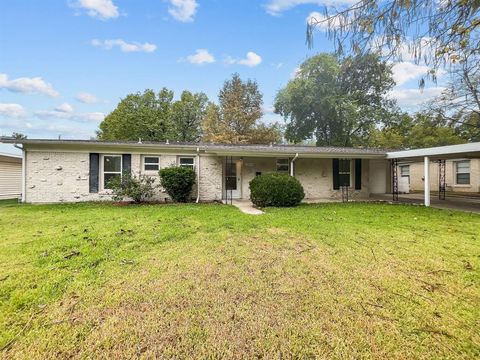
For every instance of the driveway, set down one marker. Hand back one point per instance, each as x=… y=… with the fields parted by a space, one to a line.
x=471 y=204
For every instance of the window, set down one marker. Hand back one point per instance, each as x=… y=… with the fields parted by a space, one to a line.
x=151 y=163
x=462 y=172
x=112 y=167
x=405 y=170
x=344 y=172
x=187 y=162
x=283 y=165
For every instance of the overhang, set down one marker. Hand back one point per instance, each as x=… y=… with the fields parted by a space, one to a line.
x=470 y=150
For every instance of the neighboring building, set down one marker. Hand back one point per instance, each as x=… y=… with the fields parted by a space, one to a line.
x=79 y=170
x=461 y=175
x=10 y=176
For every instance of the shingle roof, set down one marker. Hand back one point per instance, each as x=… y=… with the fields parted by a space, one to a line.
x=209 y=147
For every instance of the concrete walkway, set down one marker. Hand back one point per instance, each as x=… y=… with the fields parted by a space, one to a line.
x=246 y=207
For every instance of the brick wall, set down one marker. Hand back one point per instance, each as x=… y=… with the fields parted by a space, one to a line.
x=64 y=177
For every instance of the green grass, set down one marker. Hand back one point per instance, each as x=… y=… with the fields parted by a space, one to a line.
x=206 y=281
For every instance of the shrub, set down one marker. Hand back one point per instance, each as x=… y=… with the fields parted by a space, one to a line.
x=139 y=189
x=276 y=189
x=177 y=182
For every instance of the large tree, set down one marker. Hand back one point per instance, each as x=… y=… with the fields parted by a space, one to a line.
x=187 y=116
x=431 y=31
x=421 y=130
x=156 y=117
x=236 y=118
x=336 y=102
x=459 y=103
x=145 y=116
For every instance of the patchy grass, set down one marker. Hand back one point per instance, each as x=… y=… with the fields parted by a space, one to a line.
x=206 y=281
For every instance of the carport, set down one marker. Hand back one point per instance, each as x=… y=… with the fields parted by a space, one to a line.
x=435 y=154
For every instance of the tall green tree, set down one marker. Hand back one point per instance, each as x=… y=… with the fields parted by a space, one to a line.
x=187 y=116
x=145 y=116
x=404 y=131
x=336 y=102
x=236 y=118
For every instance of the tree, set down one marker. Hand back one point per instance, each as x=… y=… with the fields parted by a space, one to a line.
x=336 y=102
x=145 y=116
x=434 y=32
x=18 y=136
x=187 y=117
x=412 y=132
x=459 y=103
x=235 y=119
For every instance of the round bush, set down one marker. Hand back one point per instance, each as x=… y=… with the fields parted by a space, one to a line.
x=276 y=190
x=177 y=182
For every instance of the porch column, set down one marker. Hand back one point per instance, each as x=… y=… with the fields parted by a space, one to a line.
x=426 y=163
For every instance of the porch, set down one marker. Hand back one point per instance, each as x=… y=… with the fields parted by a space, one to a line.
x=323 y=178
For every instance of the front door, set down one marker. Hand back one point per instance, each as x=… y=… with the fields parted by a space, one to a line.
x=233 y=179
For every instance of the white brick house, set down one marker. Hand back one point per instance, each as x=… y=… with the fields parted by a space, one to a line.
x=78 y=170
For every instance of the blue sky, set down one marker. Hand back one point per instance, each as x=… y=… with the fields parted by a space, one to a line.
x=64 y=64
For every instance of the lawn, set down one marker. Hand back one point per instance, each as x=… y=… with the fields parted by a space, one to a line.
x=206 y=281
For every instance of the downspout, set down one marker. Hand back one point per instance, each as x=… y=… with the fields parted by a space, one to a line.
x=292 y=163
x=198 y=175
x=24 y=164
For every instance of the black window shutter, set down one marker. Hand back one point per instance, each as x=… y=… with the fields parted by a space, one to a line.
x=336 y=175
x=127 y=163
x=358 y=174
x=94 y=170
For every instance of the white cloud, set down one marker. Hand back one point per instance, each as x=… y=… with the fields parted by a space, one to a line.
x=64 y=108
x=406 y=71
x=35 y=85
x=12 y=111
x=124 y=46
x=86 y=98
x=183 y=10
x=201 y=56
x=320 y=21
x=93 y=116
x=251 y=60
x=268 y=109
x=101 y=9
x=275 y=7
x=67 y=112
x=413 y=98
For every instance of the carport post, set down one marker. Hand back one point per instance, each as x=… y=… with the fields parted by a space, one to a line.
x=427 y=181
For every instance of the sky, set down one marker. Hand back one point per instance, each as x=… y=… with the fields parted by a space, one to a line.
x=65 y=64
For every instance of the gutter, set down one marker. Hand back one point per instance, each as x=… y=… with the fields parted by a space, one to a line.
x=198 y=175
x=24 y=173
x=292 y=163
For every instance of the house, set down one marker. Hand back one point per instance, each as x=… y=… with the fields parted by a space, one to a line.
x=462 y=175
x=79 y=170
x=10 y=176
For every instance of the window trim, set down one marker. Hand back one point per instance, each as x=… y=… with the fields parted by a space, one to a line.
x=145 y=163
x=455 y=172
x=193 y=165
x=288 y=165
x=102 y=169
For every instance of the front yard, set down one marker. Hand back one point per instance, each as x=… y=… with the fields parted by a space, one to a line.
x=206 y=281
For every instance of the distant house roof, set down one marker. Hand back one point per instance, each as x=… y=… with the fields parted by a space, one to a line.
x=220 y=149
x=10 y=157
